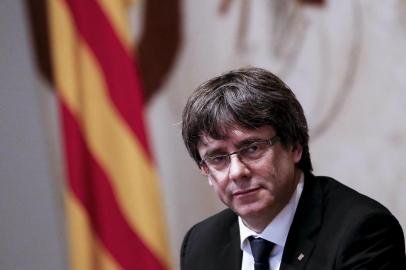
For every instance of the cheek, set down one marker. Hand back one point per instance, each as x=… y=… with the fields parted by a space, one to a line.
x=278 y=172
x=220 y=187
x=270 y=169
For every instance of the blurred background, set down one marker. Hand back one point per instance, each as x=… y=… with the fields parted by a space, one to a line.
x=344 y=59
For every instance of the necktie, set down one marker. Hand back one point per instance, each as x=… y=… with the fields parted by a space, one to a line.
x=261 y=249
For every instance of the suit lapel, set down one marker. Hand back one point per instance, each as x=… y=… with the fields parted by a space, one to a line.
x=298 y=259
x=230 y=254
x=307 y=220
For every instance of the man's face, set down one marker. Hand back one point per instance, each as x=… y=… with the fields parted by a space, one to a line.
x=254 y=190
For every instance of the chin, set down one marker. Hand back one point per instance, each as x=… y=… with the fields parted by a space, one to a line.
x=250 y=210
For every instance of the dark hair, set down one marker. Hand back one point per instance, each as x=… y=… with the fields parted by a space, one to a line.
x=250 y=98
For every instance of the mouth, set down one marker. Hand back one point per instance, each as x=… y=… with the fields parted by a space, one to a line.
x=246 y=192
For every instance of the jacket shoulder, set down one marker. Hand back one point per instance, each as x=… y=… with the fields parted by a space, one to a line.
x=213 y=227
x=204 y=240
x=355 y=230
x=341 y=198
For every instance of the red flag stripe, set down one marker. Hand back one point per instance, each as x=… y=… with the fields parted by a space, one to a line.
x=124 y=83
x=90 y=185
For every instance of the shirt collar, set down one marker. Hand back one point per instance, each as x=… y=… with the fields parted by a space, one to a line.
x=276 y=231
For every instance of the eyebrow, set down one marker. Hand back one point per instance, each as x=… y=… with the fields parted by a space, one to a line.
x=240 y=144
x=249 y=141
x=215 y=151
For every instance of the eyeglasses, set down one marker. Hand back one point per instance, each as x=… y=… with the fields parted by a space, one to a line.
x=246 y=154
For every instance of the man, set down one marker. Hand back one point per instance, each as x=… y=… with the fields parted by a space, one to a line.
x=248 y=134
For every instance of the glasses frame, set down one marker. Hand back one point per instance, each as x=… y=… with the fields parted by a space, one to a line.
x=203 y=163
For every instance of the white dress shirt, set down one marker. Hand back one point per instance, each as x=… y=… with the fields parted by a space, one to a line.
x=276 y=232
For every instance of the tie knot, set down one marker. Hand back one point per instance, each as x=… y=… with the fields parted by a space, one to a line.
x=261 y=249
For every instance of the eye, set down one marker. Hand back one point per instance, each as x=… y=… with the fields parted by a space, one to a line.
x=217 y=160
x=251 y=149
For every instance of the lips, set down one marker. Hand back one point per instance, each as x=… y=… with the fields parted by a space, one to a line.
x=245 y=191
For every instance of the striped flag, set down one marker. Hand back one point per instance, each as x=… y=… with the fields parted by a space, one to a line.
x=114 y=209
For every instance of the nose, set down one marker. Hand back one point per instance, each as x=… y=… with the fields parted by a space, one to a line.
x=238 y=169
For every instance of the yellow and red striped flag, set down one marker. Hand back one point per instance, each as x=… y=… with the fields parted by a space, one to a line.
x=115 y=217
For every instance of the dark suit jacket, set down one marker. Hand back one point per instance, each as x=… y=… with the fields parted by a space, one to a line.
x=334 y=227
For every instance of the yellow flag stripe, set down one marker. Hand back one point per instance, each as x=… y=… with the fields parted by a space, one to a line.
x=84 y=244
x=132 y=176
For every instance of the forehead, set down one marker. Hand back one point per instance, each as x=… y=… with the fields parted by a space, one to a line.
x=235 y=135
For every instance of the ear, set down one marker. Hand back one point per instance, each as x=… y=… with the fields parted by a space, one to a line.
x=203 y=171
x=297 y=151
